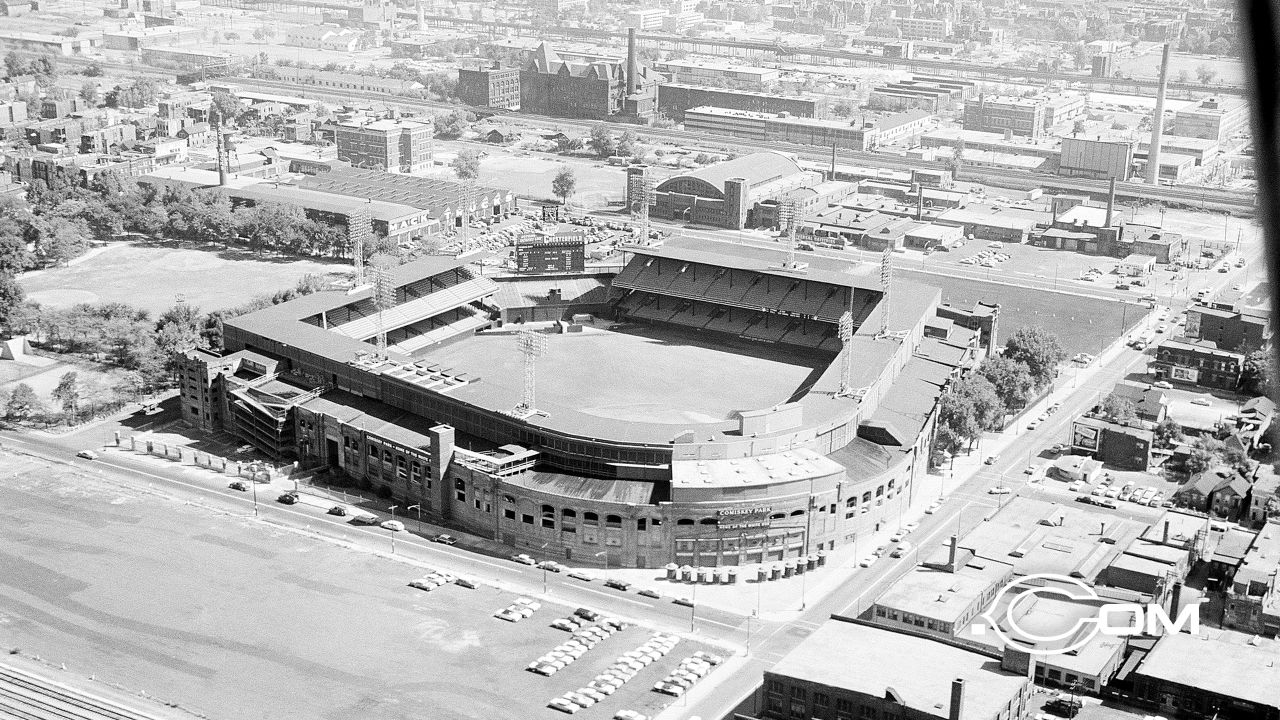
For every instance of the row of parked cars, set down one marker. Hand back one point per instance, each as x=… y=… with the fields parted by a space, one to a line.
x=440 y=579
x=1129 y=492
x=626 y=667
x=687 y=674
x=569 y=651
x=519 y=610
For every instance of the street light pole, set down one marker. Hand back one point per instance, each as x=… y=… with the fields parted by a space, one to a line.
x=544 y=567
x=419 y=509
x=392 y=509
x=254 y=483
x=605 y=554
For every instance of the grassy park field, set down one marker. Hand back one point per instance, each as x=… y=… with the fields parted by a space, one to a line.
x=154 y=277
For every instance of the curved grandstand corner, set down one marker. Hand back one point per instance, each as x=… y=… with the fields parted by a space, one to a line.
x=709 y=404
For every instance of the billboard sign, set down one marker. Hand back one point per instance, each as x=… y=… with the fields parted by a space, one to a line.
x=1184 y=374
x=1085 y=437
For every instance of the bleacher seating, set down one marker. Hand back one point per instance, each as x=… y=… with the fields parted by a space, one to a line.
x=407 y=313
x=470 y=319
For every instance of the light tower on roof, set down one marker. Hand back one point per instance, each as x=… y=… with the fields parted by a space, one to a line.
x=384 y=294
x=533 y=345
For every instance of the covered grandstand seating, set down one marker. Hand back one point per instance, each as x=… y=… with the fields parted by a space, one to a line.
x=422 y=308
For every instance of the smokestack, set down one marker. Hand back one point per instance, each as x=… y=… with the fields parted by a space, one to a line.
x=1166 y=532
x=951 y=560
x=1111 y=200
x=833 y=162
x=919 y=202
x=957 y=699
x=1157 y=122
x=633 y=67
x=1175 y=599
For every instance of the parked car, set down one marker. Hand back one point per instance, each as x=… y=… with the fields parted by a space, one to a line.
x=563 y=705
x=445 y=539
x=617 y=584
x=585 y=614
x=651 y=594
x=393 y=526
x=999 y=490
x=463 y=582
x=87 y=455
x=991 y=460
x=240 y=485
x=524 y=559
x=868 y=561
x=1201 y=401
x=288 y=498
x=901 y=550
x=1162 y=384
x=338 y=510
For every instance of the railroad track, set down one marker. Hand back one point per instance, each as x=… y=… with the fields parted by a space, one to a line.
x=29 y=697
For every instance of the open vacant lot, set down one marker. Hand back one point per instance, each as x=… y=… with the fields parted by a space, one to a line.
x=234 y=618
x=1082 y=324
x=152 y=277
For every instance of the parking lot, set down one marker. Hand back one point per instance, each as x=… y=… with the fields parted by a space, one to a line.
x=229 y=616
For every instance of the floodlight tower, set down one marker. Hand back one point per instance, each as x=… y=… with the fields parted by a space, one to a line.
x=845 y=329
x=384 y=295
x=360 y=232
x=533 y=345
x=641 y=195
x=788 y=213
x=469 y=202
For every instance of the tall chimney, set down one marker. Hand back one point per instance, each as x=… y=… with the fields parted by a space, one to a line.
x=919 y=202
x=957 y=699
x=1166 y=533
x=951 y=558
x=833 y=162
x=1111 y=200
x=1157 y=122
x=633 y=66
x=1175 y=599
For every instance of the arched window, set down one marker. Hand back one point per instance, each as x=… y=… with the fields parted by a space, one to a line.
x=866 y=497
x=459 y=484
x=684 y=521
x=590 y=518
x=796 y=513
x=510 y=499
x=778 y=516
x=567 y=513
x=880 y=491
x=547 y=510
x=709 y=521
x=612 y=521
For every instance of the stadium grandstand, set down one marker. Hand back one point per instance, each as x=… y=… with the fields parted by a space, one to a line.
x=706 y=405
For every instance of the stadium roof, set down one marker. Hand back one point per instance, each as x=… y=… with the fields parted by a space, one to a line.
x=767 y=261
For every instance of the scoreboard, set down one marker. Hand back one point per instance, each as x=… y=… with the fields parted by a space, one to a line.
x=562 y=253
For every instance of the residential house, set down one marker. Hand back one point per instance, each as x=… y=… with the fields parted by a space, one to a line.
x=1221 y=491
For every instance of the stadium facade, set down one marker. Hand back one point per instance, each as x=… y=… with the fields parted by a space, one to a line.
x=618 y=467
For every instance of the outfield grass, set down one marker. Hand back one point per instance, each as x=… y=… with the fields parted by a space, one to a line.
x=643 y=374
x=153 y=277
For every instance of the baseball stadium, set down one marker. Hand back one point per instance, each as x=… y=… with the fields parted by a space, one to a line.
x=707 y=404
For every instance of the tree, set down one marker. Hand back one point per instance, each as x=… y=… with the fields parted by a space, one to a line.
x=466 y=165
x=23 y=403
x=14 y=64
x=67 y=393
x=89 y=91
x=843 y=109
x=988 y=409
x=1259 y=372
x=1183 y=76
x=138 y=95
x=1168 y=433
x=11 y=297
x=1011 y=380
x=602 y=141
x=60 y=239
x=628 y=144
x=15 y=224
x=1038 y=350
x=228 y=107
x=93 y=69
x=451 y=124
x=1205 y=74
x=884 y=30
x=1200 y=460
x=564 y=184
x=1078 y=127
x=1119 y=409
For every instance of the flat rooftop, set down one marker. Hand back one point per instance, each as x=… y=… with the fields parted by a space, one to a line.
x=1220 y=662
x=920 y=671
x=1036 y=536
x=766 y=261
x=942 y=595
